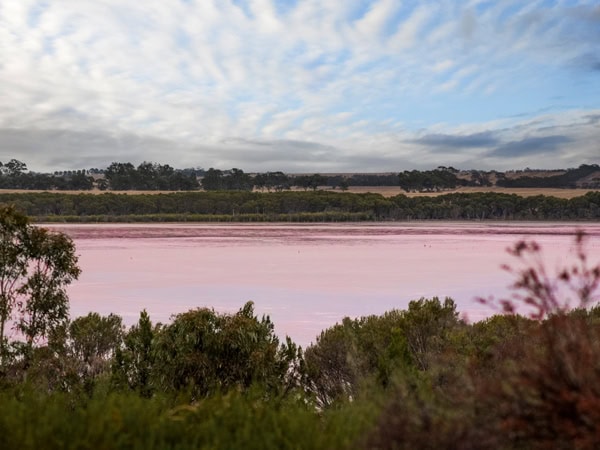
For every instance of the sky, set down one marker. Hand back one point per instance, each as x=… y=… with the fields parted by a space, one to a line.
x=300 y=85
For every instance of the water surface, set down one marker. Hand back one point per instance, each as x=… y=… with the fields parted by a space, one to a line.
x=306 y=277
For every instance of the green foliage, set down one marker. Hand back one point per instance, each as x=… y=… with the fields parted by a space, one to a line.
x=30 y=420
x=426 y=327
x=76 y=356
x=429 y=180
x=35 y=267
x=299 y=206
x=14 y=175
x=52 y=266
x=309 y=181
x=374 y=349
x=213 y=180
x=361 y=179
x=132 y=365
x=93 y=340
x=495 y=338
x=153 y=176
x=232 y=180
x=148 y=176
x=14 y=261
x=206 y=352
x=13 y=168
x=277 y=181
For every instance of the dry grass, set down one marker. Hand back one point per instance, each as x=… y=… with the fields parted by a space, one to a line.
x=389 y=191
x=386 y=191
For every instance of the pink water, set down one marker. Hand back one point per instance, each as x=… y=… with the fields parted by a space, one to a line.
x=306 y=277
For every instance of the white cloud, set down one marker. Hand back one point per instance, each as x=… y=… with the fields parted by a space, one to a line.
x=343 y=74
x=442 y=66
x=373 y=23
x=410 y=29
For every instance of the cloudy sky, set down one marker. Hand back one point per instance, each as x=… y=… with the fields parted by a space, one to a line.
x=300 y=85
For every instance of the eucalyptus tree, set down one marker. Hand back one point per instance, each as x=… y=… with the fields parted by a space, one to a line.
x=93 y=341
x=52 y=265
x=133 y=362
x=36 y=265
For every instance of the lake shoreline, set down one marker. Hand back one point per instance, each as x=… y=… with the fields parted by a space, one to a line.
x=251 y=219
x=442 y=227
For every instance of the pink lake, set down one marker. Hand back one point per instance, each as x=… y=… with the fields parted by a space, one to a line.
x=306 y=277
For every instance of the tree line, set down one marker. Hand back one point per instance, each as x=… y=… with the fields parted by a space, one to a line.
x=149 y=176
x=14 y=175
x=300 y=206
x=572 y=178
x=420 y=377
x=117 y=176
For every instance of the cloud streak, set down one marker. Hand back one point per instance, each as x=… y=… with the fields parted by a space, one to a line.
x=453 y=142
x=357 y=84
x=531 y=146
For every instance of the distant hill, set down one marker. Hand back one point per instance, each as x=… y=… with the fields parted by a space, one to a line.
x=585 y=176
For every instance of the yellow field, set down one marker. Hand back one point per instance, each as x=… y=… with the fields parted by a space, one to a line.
x=386 y=191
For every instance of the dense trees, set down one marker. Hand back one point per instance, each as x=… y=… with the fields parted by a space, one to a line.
x=309 y=181
x=120 y=176
x=429 y=180
x=372 y=180
x=117 y=176
x=300 y=206
x=209 y=353
x=374 y=348
x=148 y=176
x=14 y=175
x=133 y=362
x=277 y=181
x=14 y=168
x=232 y=180
x=93 y=341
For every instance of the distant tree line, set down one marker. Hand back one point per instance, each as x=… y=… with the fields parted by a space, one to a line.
x=14 y=175
x=118 y=176
x=149 y=176
x=231 y=180
x=300 y=206
x=429 y=180
x=362 y=179
x=570 y=179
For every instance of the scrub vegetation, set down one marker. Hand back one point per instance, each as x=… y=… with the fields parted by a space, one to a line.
x=298 y=206
x=416 y=378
